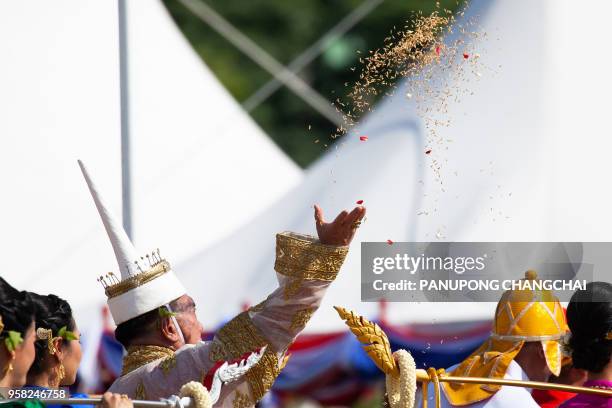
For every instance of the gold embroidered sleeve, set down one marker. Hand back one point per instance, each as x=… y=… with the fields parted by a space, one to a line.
x=241 y=400
x=240 y=336
x=304 y=258
x=300 y=318
x=305 y=269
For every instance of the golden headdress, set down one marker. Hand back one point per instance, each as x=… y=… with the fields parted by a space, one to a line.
x=521 y=316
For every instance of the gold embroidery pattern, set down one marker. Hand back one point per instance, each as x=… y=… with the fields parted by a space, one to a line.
x=137 y=356
x=168 y=364
x=292 y=288
x=241 y=400
x=284 y=362
x=301 y=256
x=300 y=318
x=240 y=336
x=258 y=307
x=140 y=391
x=216 y=352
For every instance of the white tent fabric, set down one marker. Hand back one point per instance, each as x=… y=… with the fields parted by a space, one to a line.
x=202 y=167
x=196 y=156
x=528 y=152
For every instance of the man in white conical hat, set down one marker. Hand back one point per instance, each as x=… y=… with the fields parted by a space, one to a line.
x=156 y=319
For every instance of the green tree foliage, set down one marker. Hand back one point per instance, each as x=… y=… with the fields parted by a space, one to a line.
x=284 y=28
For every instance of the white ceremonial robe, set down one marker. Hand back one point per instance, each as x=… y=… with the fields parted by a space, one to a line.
x=305 y=268
x=506 y=397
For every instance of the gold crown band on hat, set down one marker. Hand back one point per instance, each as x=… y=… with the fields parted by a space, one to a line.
x=137 y=280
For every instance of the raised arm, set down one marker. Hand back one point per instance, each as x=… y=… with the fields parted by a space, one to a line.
x=305 y=267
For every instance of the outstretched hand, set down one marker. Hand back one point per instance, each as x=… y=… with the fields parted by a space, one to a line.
x=341 y=230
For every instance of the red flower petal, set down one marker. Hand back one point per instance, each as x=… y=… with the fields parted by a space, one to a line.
x=466 y=55
x=389 y=242
x=359 y=202
x=363 y=138
x=438 y=49
x=427 y=151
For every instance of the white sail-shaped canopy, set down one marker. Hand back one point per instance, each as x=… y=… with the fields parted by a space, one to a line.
x=527 y=162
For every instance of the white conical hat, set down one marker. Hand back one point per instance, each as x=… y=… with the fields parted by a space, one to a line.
x=146 y=282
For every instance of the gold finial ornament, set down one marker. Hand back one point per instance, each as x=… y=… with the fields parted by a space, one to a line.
x=401 y=387
x=375 y=341
x=399 y=367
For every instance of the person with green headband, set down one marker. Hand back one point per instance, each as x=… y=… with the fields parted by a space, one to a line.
x=17 y=337
x=17 y=348
x=58 y=346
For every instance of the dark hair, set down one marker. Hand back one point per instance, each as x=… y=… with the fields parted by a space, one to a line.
x=52 y=312
x=136 y=327
x=589 y=317
x=16 y=309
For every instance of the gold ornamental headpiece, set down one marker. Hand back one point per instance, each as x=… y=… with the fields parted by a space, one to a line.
x=46 y=334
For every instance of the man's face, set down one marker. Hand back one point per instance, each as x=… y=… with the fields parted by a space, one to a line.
x=186 y=317
x=535 y=366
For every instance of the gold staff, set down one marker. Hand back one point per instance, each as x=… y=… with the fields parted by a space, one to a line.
x=377 y=346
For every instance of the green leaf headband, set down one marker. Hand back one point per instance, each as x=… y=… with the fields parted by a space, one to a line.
x=47 y=334
x=13 y=338
x=66 y=334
